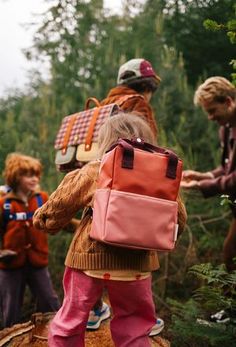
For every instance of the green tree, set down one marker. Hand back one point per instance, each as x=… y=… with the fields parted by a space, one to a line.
x=230 y=28
x=204 y=52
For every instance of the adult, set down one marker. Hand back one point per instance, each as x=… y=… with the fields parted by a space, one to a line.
x=217 y=97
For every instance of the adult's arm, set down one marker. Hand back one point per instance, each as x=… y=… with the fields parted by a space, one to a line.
x=219 y=171
x=189 y=175
x=224 y=184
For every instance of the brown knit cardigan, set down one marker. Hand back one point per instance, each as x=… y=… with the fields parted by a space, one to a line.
x=76 y=191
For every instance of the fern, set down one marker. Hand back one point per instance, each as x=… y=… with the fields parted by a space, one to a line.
x=190 y=326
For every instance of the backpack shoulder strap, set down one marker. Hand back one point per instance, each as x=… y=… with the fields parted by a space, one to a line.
x=39 y=199
x=19 y=216
x=6 y=210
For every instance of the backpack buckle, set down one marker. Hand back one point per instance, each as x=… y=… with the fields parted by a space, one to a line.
x=137 y=140
x=7 y=206
x=21 y=216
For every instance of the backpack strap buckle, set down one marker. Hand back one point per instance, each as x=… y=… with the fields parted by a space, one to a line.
x=7 y=206
x=21 y=216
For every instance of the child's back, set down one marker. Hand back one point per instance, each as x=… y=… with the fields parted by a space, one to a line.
x=92 y=265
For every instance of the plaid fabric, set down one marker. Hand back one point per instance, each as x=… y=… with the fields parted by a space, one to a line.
x=81 y=125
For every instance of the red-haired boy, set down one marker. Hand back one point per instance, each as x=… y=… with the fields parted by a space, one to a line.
x=24 y=257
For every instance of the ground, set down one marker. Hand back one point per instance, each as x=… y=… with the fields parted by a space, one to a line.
x=34 y=334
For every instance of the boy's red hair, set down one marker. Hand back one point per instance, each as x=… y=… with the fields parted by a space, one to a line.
x=17 y=165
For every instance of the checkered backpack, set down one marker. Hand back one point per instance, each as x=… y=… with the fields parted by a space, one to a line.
x=76 y=140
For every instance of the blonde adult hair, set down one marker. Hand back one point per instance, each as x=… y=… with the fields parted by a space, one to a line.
x=17 y=165
x=123 y=125
x=215 y=88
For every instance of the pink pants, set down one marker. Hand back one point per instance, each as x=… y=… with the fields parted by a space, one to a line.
x=132 y=305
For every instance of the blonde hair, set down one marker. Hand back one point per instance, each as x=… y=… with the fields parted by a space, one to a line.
x=215 y=88
x=123 y=125
x=17 y=165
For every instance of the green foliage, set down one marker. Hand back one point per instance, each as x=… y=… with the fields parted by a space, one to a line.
x=58 y=246
x=29 y=126
x=226 y=201
x=205 y=52
x=85 y=46
x=230 y=28
x=217 y=292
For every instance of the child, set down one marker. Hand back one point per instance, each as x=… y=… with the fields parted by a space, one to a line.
x=136 y=77
x=136 y=84
x=91 y=265
x=24 y=256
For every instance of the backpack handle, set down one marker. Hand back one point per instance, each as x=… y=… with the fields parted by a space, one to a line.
x=128 y=154
x=91 y=99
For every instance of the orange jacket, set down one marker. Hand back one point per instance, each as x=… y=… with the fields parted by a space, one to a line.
x=139 y=105
x=21 y=236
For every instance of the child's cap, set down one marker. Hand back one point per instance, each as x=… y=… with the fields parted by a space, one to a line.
x=135 y=69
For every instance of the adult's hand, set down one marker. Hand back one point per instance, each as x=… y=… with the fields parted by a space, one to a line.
x=193 y=184
x=190 y=175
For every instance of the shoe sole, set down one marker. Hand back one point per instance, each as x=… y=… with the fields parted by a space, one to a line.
x=105 y=316
x=211 y=323
x=222 y=321
x=156 y=331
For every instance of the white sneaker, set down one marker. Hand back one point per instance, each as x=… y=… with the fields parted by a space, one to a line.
x=157 y=328
x=97 y=316
x=220 y=317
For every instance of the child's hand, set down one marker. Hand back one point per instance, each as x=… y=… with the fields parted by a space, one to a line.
x=39 y=223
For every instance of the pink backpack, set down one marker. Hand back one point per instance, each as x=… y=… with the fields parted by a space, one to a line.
x=135 y=201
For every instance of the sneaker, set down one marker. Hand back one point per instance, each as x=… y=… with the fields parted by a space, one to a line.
x=97 y=316
x=221 y=317
x=157 y=328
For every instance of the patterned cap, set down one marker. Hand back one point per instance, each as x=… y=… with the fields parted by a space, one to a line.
x=138 y=68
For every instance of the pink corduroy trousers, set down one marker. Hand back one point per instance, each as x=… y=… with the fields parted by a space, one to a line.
x=131 y=302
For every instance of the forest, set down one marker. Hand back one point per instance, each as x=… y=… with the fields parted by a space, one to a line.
x=84 y=44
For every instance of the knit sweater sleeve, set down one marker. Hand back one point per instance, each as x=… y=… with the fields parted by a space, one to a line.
x=224 y=184
x=74 y=192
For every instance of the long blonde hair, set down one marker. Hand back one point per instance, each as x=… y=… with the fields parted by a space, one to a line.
x=123 y=125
